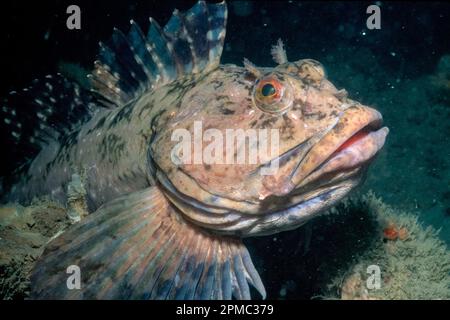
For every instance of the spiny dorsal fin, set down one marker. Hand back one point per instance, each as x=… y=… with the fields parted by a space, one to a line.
x=190 y=43
x=43 y=112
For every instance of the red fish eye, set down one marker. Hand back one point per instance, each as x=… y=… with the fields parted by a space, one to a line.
x=269 y=90
x=271 y=95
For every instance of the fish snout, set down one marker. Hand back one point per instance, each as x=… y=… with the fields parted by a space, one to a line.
x=355 y=139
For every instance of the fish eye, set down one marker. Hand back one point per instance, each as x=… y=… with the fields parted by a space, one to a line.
x=268 y=90
x=268 y=95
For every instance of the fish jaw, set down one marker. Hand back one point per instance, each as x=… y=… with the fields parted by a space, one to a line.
x=301 y=212
x=357 y=154
x=352 y=142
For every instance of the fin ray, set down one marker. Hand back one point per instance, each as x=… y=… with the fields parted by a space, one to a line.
x=190 y=42
x=138 y=247
x=44 y=113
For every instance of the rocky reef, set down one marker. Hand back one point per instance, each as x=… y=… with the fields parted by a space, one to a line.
x=24 y=232
x=334 y=256
x=413 y=262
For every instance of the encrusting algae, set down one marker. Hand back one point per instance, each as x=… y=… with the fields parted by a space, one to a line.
x=24 y=232
x=413 y=262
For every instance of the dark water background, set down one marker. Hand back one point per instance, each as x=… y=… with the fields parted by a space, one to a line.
x=401 y=70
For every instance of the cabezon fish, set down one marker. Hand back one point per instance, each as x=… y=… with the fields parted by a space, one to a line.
x=164 y=229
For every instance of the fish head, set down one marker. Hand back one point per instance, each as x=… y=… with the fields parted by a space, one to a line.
x=258 y=141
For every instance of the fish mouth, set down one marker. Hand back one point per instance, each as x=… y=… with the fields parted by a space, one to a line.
x=355 y=152
x=347 y=147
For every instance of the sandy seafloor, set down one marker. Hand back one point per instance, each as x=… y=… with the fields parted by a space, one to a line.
x=403 y=70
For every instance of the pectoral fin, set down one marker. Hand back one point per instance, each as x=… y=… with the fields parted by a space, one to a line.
x=138 y=247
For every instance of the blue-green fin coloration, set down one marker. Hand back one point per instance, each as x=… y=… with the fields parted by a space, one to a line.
x=137 y=247
x=129 y=65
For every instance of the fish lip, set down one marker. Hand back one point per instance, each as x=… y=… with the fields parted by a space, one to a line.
x=349 y=156
x=369 y=146
x=374 y=124
x=307 y=157
x=371 y=127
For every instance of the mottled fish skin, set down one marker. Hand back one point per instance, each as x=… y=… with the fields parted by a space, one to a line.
x=314 y=120
x=110 y=152
x=100 y=152
x=163 y=229
x=117 y=150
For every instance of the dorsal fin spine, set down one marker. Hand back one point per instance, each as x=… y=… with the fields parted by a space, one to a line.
x=126 y=58
x=159 y=47
x=136 y=39
x=189 y=43
x=43 y=113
